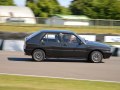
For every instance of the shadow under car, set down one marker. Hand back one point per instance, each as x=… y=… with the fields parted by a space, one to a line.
x=46 y=60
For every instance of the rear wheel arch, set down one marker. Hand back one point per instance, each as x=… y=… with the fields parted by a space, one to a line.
x=38 y=54
x=38 y=48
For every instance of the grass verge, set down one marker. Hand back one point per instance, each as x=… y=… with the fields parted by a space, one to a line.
x=12 y=82
x=112 y=43
x=81 y=29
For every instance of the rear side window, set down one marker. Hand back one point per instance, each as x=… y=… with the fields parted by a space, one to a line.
x=51 y=37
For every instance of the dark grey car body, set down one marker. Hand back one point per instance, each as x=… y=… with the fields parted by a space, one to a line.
x=62 y=49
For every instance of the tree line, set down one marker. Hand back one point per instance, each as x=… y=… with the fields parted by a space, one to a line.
x=96 y=9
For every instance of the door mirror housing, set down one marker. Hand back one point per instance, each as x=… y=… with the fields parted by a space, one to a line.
x=80 y=43
x=42 y=42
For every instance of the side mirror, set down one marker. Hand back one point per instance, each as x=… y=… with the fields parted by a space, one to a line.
x=42 y=42
x=80 y=43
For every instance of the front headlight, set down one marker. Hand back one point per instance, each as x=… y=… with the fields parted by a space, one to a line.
x=108 y=50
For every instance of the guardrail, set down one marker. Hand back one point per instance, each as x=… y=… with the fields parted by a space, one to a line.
x=59 y=21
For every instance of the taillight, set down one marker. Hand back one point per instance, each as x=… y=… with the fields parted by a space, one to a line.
x=25 y=43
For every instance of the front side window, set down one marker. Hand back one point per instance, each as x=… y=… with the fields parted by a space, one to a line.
x=69 y=38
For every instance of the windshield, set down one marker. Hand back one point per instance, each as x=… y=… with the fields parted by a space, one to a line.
x=82 y=39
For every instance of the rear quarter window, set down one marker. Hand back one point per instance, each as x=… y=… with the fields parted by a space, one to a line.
x=32 y=35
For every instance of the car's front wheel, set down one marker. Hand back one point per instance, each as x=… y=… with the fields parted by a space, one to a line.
x=96 y=57
x=38 y=55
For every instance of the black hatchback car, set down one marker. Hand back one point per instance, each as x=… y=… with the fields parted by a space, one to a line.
x=62 y=44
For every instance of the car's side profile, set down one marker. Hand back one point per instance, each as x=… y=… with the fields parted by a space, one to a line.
x=64 y=44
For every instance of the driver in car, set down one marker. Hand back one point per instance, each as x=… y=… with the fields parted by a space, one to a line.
x=72 y=39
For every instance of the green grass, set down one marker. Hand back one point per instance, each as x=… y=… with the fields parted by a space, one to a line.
x=81 y=29
x=12 y=82
x=113 y=43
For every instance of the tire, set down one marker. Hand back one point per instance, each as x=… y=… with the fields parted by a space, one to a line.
x=38 y=55
x=96 y=57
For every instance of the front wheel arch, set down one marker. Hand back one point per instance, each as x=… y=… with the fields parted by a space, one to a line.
x=89 y=55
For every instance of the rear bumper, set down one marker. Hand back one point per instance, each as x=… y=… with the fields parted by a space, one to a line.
x=28 y=52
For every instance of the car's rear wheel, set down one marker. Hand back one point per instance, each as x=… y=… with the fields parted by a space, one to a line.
x=38 y=55
x=96 y=57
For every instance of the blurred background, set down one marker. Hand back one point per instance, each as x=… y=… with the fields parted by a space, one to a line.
x=84 y=16
x=95 y=20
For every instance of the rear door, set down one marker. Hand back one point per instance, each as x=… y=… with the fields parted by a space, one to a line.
x=52 y=45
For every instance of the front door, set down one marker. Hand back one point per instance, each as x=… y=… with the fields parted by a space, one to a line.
x=72 y=46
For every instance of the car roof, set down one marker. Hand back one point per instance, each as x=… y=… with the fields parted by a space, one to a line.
x=56 y=31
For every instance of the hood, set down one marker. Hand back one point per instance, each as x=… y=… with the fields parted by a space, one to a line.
x=97 y=44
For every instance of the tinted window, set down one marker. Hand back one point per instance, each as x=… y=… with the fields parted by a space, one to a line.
x=69 y=38
x=51 y=37
x=32 y=35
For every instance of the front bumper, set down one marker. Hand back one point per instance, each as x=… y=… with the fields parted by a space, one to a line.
x=107 y=55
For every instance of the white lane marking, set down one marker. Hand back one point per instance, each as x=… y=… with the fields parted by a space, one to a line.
x=59 y=77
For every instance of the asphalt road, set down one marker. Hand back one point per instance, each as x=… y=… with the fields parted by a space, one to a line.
x=18 y=63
